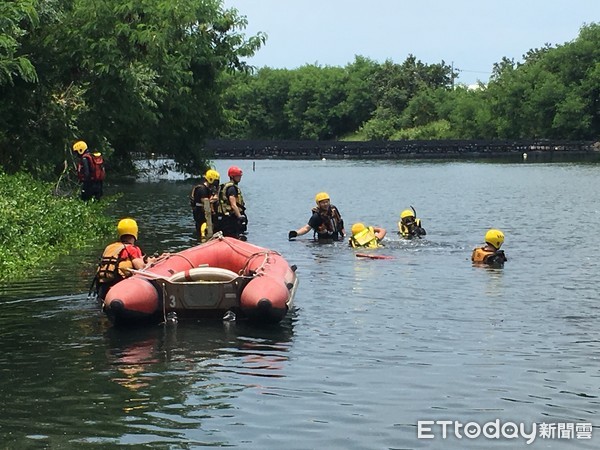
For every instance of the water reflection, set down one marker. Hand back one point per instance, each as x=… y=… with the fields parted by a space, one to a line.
x=175 y=378
x=133 y=353
x=209 y=347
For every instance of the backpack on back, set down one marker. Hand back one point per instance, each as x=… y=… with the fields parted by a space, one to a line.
x=97 y=172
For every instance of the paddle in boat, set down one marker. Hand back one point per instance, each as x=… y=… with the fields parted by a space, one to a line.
x=211 y=280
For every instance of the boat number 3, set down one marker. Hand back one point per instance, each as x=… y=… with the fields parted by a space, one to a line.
x=172 y=302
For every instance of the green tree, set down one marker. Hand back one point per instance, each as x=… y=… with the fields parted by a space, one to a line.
x=505 y=94
x=553 y=93
x=326 y=102
x=421 y=109
x=576 y=65
x=395 y=85
x=314 y=108
x=360 y=101
x=140 y=75
x=256 y=103
x=16 y=18
x=152 y=70
x=469 y=114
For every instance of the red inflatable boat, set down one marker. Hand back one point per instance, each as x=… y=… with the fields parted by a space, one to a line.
x=208 y=280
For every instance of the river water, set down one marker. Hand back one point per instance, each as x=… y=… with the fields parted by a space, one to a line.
x=373 y=347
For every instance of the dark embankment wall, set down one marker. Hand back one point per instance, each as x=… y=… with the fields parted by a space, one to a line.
x=450 y=149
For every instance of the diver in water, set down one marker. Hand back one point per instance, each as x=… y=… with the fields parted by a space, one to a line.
x=409 y=226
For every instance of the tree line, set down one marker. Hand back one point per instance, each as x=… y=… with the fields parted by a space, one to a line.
x=552 y=93
x=141 y=76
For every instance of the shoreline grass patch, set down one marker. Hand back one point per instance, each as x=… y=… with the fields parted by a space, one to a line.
x=36 y=227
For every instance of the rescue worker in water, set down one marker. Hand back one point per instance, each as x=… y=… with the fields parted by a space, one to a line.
x=326 y=221
x=203 y=199
x=490 y=253
x=118 y=257
x=409 y=226
x=232 y=219
x=366 y=237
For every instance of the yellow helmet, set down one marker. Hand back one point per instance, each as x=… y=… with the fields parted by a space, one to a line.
x=407 y=213
x=321 y=196
x=495 y=238
x=127 y=226
x=357 y=228
x=80 y=147
x=212 y=175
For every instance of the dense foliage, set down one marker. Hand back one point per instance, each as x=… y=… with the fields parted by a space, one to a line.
x=126 y=76
x=36 y=226
x=553 y=93
x=140 y=76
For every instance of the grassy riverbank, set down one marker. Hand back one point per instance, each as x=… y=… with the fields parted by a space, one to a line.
x=36 y=226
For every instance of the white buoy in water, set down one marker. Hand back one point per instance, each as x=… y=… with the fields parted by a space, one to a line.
x=524 y=156
x=323 y=159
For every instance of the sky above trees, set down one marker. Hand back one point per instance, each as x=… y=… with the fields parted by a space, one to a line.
x=472 y=35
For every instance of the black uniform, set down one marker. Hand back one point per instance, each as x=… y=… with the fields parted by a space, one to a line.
x=199 y=193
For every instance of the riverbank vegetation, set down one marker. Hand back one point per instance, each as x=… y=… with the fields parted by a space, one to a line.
x=36 y=226
x=127 y=77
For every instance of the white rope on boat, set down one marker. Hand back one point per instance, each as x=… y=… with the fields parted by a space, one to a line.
x=143 y=272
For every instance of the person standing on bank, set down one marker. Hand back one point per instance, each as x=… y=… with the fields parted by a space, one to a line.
x=90 y=171
x=232 y=220
x=203 y=199
x=326 y=221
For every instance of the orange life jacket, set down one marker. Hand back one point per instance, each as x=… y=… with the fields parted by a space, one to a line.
x=112 y=266
x=480 y=254
x=491 y=257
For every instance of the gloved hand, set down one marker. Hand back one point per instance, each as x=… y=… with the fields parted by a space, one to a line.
x=292 y=234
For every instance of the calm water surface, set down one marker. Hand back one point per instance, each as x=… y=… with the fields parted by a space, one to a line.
x=373 y=347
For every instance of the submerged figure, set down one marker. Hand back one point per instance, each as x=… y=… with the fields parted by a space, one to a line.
x=366 y=237
x=409 y=226
x=326 y=221
x=490 y=253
